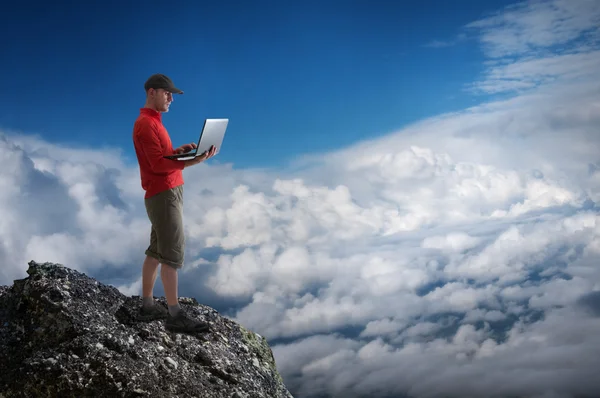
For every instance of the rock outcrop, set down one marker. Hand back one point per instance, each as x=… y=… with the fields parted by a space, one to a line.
x=64 y=334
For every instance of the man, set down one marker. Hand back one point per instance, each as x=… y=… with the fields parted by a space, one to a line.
x=162 y=181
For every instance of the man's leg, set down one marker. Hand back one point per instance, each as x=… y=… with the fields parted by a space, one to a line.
x=150 y=311
x=166 y=213
x=169 y=278
x=149 y=273
x=171 y=246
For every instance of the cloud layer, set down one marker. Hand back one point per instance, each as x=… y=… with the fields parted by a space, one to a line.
x=457 y=257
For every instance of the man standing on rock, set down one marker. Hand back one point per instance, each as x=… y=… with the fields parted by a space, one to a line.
x=162 y=179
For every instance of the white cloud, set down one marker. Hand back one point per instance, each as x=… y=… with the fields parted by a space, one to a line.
x=536 y=43
x=524 y=27
x=456 y=242
x=383 y=327
x=532 y=361
x=450 y=257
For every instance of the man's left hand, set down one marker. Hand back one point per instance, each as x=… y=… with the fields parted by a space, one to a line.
x=185 y=148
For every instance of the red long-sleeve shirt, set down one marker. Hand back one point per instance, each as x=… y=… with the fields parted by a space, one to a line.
x=151 y=141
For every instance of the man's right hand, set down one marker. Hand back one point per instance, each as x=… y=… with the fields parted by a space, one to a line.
x=199 y=159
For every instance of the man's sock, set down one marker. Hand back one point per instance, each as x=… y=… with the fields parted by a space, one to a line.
x=174 y=309
x=148 y=301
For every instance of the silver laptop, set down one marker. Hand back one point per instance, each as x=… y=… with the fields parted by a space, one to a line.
x=212 y=133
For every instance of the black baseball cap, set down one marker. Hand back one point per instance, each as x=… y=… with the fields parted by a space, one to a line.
x=159 y=80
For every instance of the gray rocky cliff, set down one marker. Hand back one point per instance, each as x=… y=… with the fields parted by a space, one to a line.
x=64 y=334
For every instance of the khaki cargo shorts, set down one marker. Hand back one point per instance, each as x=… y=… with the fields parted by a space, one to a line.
x=167 y=241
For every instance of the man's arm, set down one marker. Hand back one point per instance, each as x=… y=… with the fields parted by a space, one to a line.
x=153 y=151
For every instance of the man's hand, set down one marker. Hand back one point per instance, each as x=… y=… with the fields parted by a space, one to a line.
x=201 y=158
x=185 y=148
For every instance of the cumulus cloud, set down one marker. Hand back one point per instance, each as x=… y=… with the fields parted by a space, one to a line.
x=546 y=358
x=457 y=257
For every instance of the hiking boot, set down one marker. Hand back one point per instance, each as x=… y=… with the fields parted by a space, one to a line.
x=153 y=313
x=184 y=324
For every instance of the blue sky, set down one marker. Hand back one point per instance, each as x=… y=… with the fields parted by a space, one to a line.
x=293 y=77
x=445 y=224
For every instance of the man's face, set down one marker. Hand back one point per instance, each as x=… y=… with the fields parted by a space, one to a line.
x=162 y=99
